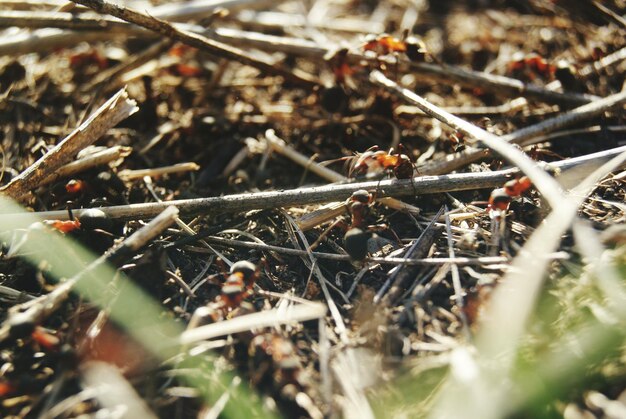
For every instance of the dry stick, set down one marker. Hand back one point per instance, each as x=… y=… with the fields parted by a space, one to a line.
x=28 y=4
x=158 y=171
x=487 y=260
x=116 y=109
x=45 y=19
x=98 y=158
x=279 y=20
x=36 y=313
x=330 y=193
x=201 y=42
x=497 y=84
x=541 y=180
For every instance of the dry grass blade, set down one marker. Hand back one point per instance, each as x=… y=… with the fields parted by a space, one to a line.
x=268 y=318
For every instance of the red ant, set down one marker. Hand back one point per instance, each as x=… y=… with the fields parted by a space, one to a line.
x=500 y=198
x=531 y=66
x=386 y=44
x=357 y=237
x=236 y=288
x=374 y=162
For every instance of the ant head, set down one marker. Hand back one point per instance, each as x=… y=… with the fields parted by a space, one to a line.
x=243 y=266
x=415 y=49
x=499 y=199
x=245 y=271
x=361 y=196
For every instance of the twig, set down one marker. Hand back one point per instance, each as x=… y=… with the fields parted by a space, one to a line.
x=201 y=42
x=278 y=20
x=46 y=19
x=36 y=313
x=330 y=193
x=98 y=158
x=456 y=279
x=157 y=171
x=604 y=62
x=488 y=260
x=116 y=109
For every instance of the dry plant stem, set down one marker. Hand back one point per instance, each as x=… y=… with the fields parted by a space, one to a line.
x=548 y=187
x=277 y=20
x=216 y=48
x=49 y=303
x=456 y=280
x=28 y=4
x=498 y=84
x=98 y=158
x=267 y=318
x=116 y=109
x=110 y=78
x=604 y=62
x=330 y=193
x=490 y=260
x=158 y=171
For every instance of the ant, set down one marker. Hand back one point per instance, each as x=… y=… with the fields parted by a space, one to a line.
x=358 y=235
x=236 y=288
x=385 y=44
x=500 y=198
x=531 y=66
x=374 y=162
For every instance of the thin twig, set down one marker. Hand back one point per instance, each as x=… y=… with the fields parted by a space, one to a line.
x=201 y=42
x=330 y=193
x=96 y=159
x=488 y=260
x=116 y=109
x=158 y=171
x=456 y=279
